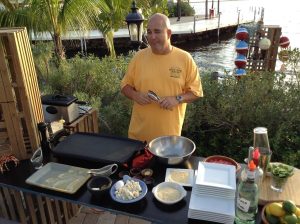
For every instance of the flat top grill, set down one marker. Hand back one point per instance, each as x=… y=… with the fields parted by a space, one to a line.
x=98 y=148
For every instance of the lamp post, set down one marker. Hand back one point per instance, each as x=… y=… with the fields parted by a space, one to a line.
x=219 y=18
x=178 y=10
x=238 y=19
x=206 y=9
x=135 y=25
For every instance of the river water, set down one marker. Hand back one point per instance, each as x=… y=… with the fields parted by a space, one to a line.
x=220 y=56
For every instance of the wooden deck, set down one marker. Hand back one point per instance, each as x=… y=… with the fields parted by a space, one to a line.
x=88 y=215
x=5 y=221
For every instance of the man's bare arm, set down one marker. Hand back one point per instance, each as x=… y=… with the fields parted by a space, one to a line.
x=139 y=97
x=170 y=101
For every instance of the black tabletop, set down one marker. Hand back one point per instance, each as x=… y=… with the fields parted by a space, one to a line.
x=148 y=208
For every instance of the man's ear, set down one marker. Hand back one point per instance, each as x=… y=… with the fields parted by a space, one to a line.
x=169 y=32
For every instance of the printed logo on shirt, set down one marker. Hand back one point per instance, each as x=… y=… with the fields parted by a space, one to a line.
x=175 y=72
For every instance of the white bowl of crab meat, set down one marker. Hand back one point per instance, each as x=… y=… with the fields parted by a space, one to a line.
x=169 y=192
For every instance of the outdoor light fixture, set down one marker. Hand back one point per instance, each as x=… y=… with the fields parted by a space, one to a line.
x=135 y=24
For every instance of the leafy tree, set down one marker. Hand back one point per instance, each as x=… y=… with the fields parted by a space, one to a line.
x=150 y=7
x=185 y=9
x=293 y=62
x=53 y=16
x=110 y=21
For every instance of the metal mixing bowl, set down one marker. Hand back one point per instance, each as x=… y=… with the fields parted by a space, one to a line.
x=172 y=150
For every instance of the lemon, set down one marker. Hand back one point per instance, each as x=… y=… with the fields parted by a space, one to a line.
x=276 y=209
x=297 y=212
x=291 y=219
x=289 y=206
x=267 y=210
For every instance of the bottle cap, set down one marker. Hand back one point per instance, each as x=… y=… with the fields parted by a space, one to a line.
x=255 y=156
x=251 y=165
x=256 y=153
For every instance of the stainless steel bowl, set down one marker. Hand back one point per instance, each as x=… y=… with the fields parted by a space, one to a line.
x=172 y=150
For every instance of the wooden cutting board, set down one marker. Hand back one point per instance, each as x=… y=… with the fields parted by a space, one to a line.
x=290 y=192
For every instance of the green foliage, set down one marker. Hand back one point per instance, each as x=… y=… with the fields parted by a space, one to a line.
x=43 y=53
x=221 y=122
x=294 y=63
x=54 y=17
x=186 y=9
x=90 y=79
x=110 y=21
x=150 y=7
x=115 y=116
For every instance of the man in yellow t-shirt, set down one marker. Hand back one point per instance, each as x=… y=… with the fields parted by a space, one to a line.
x=169 y=72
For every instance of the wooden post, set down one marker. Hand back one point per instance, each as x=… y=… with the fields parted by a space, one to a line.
x=85 y=123
x=263 y=61
x=20 y=101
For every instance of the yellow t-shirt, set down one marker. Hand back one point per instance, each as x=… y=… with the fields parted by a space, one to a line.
x=166 y=75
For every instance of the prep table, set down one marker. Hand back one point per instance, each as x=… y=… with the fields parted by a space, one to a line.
x=13 y=182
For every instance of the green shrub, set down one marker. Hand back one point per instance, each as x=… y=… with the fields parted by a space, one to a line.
x=221 y=122
x=90 y=79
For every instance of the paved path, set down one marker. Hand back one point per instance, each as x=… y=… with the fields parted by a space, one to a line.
x=197 y=24
x=189 y=24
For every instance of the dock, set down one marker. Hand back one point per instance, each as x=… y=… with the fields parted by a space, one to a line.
x=189 y=28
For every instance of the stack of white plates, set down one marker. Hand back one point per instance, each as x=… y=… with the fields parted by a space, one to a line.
x=211 y=209
x=216 y=180
x=213 y=194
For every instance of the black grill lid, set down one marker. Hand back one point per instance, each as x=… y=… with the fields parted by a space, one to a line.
x=98 y=148
x=58 y=100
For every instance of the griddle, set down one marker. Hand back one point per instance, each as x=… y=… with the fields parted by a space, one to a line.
x=98 y=148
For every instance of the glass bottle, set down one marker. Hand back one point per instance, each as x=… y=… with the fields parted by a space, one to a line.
x=261 y=142
x=247 y=197
x=254 y=155
x=44 y=137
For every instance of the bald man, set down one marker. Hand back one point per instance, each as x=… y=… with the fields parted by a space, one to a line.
x=168 y=71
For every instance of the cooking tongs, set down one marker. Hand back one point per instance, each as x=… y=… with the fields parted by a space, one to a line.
x=104 y=171
x=153 y=96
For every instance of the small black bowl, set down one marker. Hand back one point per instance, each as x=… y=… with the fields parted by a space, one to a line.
x=135 y=171
x=99 y=185
x=147 y=172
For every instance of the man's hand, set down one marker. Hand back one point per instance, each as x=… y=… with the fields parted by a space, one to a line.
x=168 y=102
x=141 y=98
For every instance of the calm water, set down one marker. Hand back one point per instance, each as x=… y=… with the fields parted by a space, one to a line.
x=220 y=56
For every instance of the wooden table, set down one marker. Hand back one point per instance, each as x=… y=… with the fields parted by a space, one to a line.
x=291 y=190
x=87 y=122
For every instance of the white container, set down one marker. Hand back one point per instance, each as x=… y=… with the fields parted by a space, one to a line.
x=169 y=192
